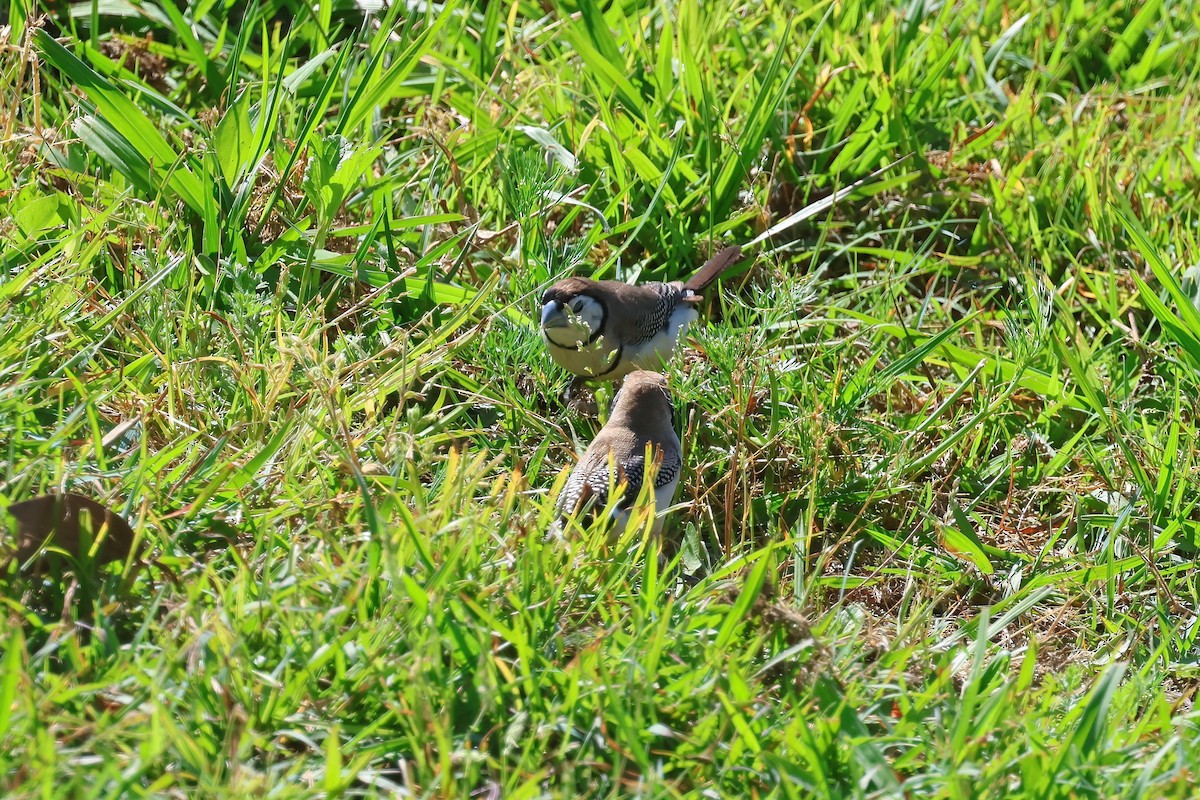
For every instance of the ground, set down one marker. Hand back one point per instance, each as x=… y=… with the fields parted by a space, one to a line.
x=270 y=292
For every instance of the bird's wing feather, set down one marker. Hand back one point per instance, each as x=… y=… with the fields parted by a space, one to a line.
x=640 y=312
x=593 y=475
x=668 y=467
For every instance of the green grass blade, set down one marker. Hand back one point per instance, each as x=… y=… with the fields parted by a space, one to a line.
x=157 y=161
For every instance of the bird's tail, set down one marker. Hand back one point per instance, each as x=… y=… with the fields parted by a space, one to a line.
x=713 y=269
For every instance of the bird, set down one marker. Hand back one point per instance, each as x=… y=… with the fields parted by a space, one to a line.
x=642 y=417
x=604 y=330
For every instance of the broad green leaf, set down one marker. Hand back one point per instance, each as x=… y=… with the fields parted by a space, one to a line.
x=234 y=142
x=156 y=162
x=962 y=540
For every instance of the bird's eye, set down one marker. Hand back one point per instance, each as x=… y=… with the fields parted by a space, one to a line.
x=577 y=306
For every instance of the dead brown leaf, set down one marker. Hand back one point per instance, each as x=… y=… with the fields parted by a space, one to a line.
x=67 y=522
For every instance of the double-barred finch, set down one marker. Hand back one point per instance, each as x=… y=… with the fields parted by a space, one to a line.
x=642 y=417
x=603 y=330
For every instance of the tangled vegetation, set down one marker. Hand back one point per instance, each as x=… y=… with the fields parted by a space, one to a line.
x=269 y=290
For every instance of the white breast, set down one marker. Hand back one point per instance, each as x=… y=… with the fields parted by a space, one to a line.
x=651 y=353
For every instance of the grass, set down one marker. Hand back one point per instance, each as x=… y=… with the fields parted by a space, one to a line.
x=269 y=289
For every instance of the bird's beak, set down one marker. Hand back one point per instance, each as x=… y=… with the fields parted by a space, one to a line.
x=552 y=316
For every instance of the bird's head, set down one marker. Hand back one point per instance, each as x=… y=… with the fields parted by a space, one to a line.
x=643 y=400
x=573 y=312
